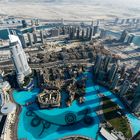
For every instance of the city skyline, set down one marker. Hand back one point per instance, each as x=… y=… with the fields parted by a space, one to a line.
x=69 y=70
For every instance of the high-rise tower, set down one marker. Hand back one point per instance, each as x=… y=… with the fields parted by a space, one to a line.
x=97 y=64
x=103 y=33
x=95 y=30
x=123 y=36
x=19 y=59
x=130 y=38
x=136 y=102
x=78 y=32
x=42 y=38
x=113 y=72
x=115 y=81
x=30 y=39
x=91 y=33
x=87 y=33
x=124 y=88
x=106 y=62
x=35 y=37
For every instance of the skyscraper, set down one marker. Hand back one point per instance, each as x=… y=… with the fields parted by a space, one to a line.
x=103 y=33
x=115 y=81
x=98 y=22
x=122 y=21
x=123 y=36
x=1 y=75
x=135 y=105
x=116 y=21
x=138 y=88
x=30 y=39
x=83 y=34
x=136 y=102
x=127 y=21
x=95 y=30
x=36 y=22
x=78 y=32
x=87 y=33
x=62 y=21
x=24 y=23
x=130 y=38
x=22 y=39
x=123 y=70
x=42 y=38
x=124 y=88
x=63 y=30
x=19 y=59
x=91 y=33
x=106 y=62
x=113 y=72
x=72 y=34
x=35 y=37
x=97 y=64
x=92 y=23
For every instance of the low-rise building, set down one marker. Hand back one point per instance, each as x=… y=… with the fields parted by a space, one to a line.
x=49 y=98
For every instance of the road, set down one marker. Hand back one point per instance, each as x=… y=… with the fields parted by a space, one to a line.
x=50 y=64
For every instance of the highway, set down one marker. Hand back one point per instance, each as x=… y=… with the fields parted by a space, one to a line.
x=50 y=64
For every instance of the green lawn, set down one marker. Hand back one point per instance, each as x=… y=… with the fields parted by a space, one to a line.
x=118 y=121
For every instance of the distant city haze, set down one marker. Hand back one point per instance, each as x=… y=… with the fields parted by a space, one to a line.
x=71 y=9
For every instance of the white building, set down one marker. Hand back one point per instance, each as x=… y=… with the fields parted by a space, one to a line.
x=107 y=135
x=19 y=59
x=4 y=87
x=6 y=106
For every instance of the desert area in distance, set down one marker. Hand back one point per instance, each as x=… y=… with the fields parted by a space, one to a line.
x=70 y=9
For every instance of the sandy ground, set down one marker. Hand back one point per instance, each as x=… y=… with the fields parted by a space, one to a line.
x=70 y=9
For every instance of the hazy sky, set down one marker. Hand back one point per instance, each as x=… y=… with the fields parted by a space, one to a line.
x=71 y=8
x=121 y=3
x=125 y=2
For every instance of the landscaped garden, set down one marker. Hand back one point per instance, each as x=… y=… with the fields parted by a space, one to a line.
x=115 y=116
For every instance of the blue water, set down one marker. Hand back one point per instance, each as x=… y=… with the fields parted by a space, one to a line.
x=54 y=124
x=4 y=33
x=136 y=39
